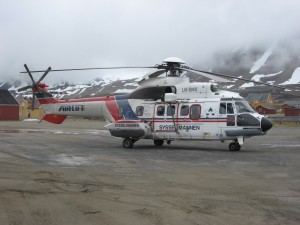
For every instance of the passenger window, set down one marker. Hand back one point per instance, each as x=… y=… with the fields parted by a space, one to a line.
x=139 y=111
x=195 y=112
x=222 y=108
x=230 y=120
x=184 y=111
x=229 y=108
x=171 y=110
x=160 y=110
x=120 y=114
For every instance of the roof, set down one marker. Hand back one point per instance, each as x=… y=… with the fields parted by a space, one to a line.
x=267 y=106
x=6 y=98
x=295 y=104
x=260 y=97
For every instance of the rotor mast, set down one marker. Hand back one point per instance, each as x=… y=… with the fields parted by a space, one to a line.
x=172 y=65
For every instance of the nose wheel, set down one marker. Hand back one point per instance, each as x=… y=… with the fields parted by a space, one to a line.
x=128 y=142
x=234 y=146
x=158 y=142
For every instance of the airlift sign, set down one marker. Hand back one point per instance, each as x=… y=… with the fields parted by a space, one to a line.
x=72 y=108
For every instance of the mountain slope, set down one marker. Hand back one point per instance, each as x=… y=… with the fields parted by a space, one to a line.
x=276 y=64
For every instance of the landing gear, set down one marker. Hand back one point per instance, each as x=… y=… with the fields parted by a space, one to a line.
x=158 y=142
x=128 y=143
x=234 y=146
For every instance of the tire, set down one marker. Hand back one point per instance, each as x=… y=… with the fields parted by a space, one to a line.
x=128 y=143
x=158 y=142
x=234 y=146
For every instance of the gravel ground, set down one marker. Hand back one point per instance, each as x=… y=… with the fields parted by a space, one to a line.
x=76 y=173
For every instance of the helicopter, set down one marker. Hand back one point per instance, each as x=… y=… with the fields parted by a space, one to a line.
x=165 y=107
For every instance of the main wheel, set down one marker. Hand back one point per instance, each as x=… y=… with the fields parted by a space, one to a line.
x=158 y=142
x=128 y=143
x=234 y=146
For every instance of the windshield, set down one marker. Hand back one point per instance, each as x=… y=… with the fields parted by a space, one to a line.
x=242 y=107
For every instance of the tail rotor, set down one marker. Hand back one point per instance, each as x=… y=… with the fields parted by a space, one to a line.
x=35 y=86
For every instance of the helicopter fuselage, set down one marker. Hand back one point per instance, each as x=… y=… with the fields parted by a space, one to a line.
x=168 y=108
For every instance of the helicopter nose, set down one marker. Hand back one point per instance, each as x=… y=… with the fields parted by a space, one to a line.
x=266 y=124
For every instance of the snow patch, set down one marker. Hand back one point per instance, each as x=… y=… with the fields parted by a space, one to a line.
x=131 y=84
x=295 y=79
x=257 y=77
x=123 y=91
x=262 y=60
x=251 y=84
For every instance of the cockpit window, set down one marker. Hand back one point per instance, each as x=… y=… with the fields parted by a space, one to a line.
x=214 y=88
x=242 y=107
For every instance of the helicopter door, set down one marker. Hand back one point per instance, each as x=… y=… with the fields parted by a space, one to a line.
x=226 y=111
x=165 y=121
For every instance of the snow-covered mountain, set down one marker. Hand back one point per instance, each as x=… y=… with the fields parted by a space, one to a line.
x=277 y=64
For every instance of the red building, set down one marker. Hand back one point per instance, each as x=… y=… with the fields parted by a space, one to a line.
x=265 y=109
x=292 y=112
x=9 y=106
x=291 y=108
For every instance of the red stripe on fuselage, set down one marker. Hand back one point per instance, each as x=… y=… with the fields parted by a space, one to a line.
x=112 y=107
x=44 y=101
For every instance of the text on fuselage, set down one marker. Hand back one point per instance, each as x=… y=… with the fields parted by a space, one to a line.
x=189 y=89
x=71 y=108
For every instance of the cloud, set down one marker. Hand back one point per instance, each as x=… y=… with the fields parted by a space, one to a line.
x=78 y=33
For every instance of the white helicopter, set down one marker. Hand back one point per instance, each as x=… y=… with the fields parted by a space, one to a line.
x=164 y=107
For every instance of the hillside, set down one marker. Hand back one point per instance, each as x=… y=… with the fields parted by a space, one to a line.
x=277 y=64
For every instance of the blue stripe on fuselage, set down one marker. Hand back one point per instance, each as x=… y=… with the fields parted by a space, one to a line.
x=122 y=101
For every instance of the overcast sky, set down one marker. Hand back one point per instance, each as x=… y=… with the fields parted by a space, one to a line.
x=96 y=33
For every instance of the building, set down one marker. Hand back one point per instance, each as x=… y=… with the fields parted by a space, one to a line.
x=26 y=110
x=263 y=103
x=256 y=99
x=291 y=108
x=9 y=106
x=265 y=109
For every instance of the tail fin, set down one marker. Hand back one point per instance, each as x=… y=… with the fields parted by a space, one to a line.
x=45 y=98
x=53 y=118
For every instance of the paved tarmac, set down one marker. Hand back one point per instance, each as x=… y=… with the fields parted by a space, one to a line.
x=76 y=173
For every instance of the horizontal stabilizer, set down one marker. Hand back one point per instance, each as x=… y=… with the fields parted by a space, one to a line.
x=52 y=118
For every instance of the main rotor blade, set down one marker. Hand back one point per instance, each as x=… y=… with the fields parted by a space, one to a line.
x=244 y=79
x=210 y=76
x=95 y=68
x=24 y=88
x=45 y=74
x=29 y=73
x=152 y=75
x=156 y=73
